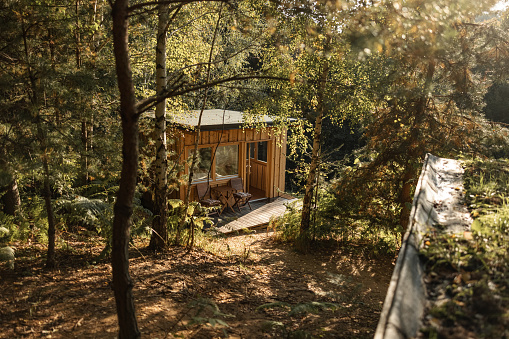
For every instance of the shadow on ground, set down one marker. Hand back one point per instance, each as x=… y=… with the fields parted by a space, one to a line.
x=346 y=289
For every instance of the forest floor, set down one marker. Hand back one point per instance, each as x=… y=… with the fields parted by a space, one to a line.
x=176 y=293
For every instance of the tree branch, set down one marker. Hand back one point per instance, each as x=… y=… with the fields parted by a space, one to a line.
x=146 y=104
x=166 y=2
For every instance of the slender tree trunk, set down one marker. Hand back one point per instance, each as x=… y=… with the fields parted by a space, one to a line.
x=84 y=121
x=159 y=238
x=50 y=260
x=43 y=144
x=87 y=130
x=90 y=141
x=197 y=140
x=305 y=236
x=405 y=198
x=304 y=239
x=84 y=151
x=122 y=282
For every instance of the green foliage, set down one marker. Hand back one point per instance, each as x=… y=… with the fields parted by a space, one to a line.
x=287 y=226
x=6 y=227
x=328 y=222
x=429 y=99
x=85 y=212
x=196 y=217
x=35 y=222
x=174 y=213
x=31 y=224
x=96 y=214
x=374 y=187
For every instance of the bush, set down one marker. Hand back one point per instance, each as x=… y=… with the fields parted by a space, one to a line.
x=329 y=222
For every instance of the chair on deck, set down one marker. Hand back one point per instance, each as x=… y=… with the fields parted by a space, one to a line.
x=241 y=198
x=203 y=190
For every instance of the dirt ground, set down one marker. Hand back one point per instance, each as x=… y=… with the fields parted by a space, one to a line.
x=346 y=288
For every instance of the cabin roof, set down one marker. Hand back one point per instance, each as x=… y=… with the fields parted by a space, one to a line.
x=216 y=119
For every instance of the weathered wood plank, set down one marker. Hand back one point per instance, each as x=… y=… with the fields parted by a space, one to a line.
x=256 y=218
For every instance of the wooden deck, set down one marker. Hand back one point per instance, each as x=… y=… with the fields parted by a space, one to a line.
x=258 y=217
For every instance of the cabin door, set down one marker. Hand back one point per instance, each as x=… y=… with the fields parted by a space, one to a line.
x=256 y=169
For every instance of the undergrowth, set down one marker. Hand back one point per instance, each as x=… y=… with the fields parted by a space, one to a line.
x=326 y=228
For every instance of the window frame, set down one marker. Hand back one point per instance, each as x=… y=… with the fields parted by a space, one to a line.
x=255 y=151
x=189 y=154
x=213 y=147
x=226 y=177
x=266 y=151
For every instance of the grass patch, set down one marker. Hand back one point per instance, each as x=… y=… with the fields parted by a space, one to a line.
x=467 y=275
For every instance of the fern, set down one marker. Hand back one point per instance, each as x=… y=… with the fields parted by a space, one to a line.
x=6 y=230
x=82 y=211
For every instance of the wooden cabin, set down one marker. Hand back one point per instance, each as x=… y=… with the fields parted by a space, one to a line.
x=229 y=150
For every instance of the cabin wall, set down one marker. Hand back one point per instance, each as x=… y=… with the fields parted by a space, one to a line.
x=269 y=177
x=279 y=163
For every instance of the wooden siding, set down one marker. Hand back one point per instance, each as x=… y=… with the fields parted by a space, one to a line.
x=269 y=176
x=279 y=163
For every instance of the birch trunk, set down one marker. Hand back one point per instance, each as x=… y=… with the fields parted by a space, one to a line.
x=304 y=238
x=122 y=282
x=305 y=235
x=159 y=238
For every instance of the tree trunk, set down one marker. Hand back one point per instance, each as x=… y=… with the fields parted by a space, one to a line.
x=159 y=238
x=405 y=198
x=43 y=144
x=122 y=282
x=304 y=238
x=84 y=152
x=197 y=140
x=87 y=132
x=11 y=199
x=50 y=260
